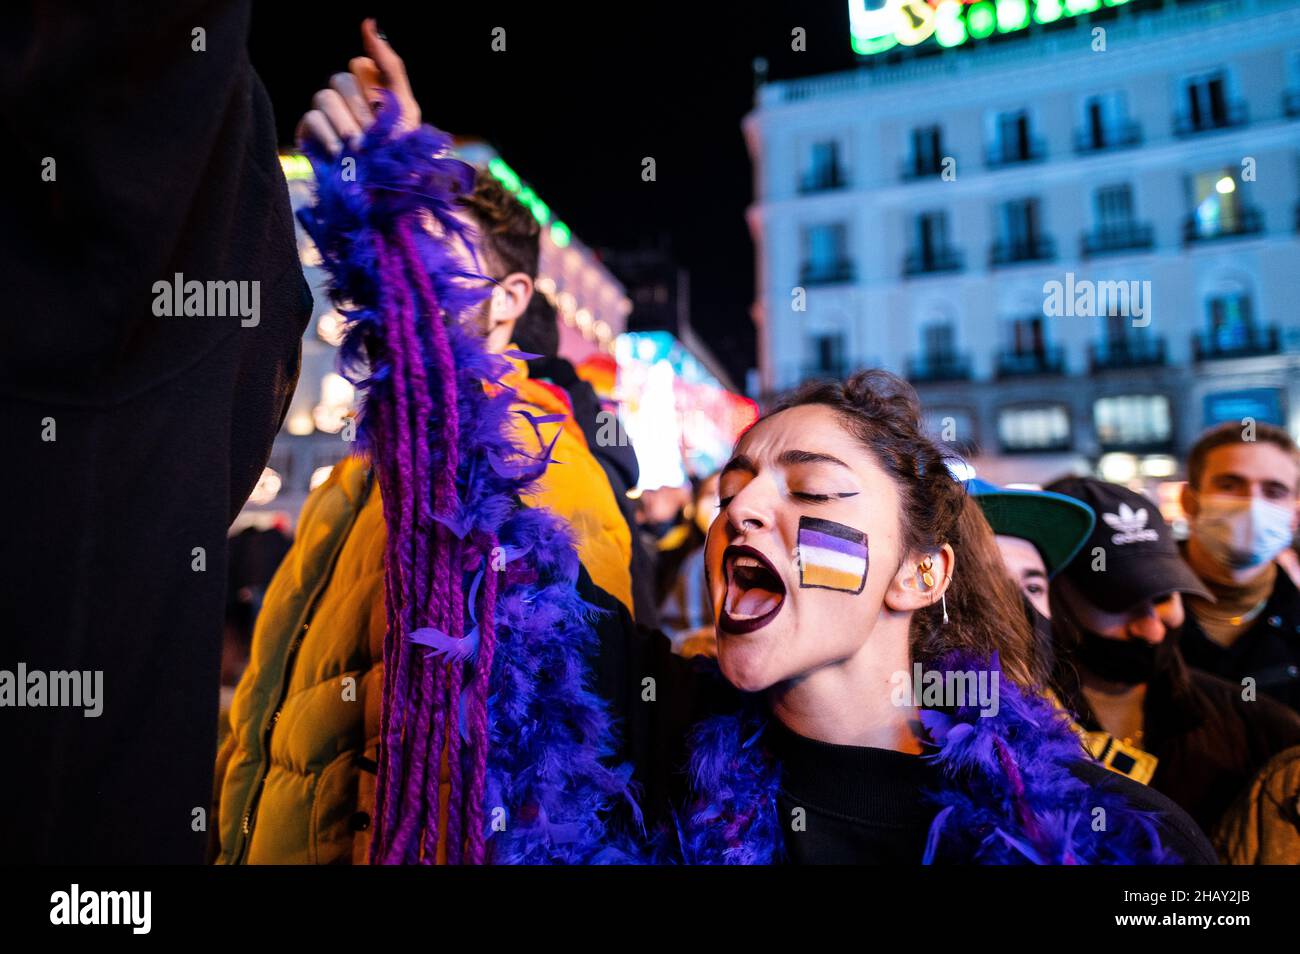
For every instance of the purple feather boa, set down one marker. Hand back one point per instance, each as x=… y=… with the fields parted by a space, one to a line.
x=1014 y=799
x=548 y=787
x=1009 y=796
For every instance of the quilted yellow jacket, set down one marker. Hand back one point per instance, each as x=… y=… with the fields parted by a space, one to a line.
x=295 y=778
x=1263 y=827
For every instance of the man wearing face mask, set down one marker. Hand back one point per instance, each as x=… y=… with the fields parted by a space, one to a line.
x=1240 y=498
x=1116 y=612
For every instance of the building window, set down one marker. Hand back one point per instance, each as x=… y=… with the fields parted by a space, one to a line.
x=1207 y=105
x=931 y=233
x=939 y=340
x=926 y=158
x=1230 y=320
x=827 y=354
x=1218 y=210
x=825 y=255
x=1013 y=139
x=930 y=249
x=1132 y=421
x=1233 y=331
x=1020 y=234
x=1028 y=352
x=1116 y=229
x=1035 y=428
x=1106 y=124
x=939 y=360
x=1027 y=335
x=1114 y=204
x=824 y=168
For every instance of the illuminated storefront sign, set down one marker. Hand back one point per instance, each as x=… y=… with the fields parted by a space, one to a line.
x=1260 y=404
x=879 y=25
x=680 y=420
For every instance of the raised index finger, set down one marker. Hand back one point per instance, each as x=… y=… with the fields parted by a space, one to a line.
x=391 y=68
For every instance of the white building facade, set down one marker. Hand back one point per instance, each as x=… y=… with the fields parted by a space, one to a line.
x=959 y=219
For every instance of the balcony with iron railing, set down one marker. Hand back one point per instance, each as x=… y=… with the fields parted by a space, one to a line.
x=1119 y=135
x=1118 y=354
x=1040 y=248
x=937 y=366
x=1117 y=237
x=822 y=180
x=933 y=261
x=1039 y=361
x=835 y=272
x=1247 y=221
x=1013 y=152
x=1248 y=342
x=1232 y=116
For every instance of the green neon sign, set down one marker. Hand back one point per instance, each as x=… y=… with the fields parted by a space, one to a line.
x=951 y=23
x=510 y=180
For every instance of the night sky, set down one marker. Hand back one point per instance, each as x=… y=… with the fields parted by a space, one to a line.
x=580 y=96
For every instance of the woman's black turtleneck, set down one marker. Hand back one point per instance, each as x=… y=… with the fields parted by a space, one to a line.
x=848 y=804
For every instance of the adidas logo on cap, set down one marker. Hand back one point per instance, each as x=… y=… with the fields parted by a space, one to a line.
x=1131 y=526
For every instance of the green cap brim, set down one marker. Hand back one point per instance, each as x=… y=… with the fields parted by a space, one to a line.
x=1054 y=523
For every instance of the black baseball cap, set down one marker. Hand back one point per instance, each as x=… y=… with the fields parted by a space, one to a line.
x=1142 y=559
x=1055 y=524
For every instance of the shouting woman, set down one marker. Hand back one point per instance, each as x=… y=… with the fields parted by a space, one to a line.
x=874 y=698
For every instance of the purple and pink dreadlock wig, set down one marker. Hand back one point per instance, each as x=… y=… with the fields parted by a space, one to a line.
x=487 y=637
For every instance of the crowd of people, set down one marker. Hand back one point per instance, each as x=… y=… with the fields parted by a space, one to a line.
x=482 y=646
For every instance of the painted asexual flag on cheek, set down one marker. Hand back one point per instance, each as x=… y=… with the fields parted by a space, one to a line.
x=831 y=555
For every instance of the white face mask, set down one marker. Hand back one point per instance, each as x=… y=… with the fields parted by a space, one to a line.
x=1241 y=532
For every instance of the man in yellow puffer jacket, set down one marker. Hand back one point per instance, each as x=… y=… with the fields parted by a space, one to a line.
x=295 y=780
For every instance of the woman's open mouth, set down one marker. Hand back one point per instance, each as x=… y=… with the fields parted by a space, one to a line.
x=755 y=593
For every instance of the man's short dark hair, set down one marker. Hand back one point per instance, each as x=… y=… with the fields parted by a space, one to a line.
x=1232 y=432
x=508 y=235
x=538 y=330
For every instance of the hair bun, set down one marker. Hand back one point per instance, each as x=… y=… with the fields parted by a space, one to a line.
x=885 y=396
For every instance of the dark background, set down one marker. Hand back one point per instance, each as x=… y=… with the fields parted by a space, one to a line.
x=581 y=95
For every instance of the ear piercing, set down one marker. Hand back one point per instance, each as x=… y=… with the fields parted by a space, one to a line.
x=926 y=567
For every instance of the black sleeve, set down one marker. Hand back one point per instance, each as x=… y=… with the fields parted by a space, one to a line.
x=1178 y=833
x=656 y=696
x=139 y=145
x=1272 y=727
